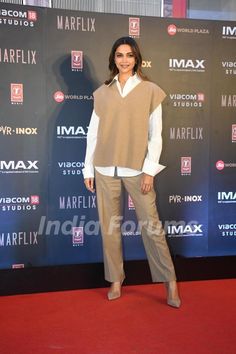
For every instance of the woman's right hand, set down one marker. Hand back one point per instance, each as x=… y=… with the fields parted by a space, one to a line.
x=89 y=184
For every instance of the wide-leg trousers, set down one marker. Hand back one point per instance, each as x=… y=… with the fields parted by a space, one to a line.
x=109 y=194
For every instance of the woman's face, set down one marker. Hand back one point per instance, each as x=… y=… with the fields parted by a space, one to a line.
x=124 y=59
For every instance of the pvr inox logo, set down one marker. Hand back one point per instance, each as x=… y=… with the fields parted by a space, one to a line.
x=18 y=131
x=186 y=64
x=146 y=64
x=186 y=198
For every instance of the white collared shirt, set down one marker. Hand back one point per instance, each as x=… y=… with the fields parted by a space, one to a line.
x=151 y=164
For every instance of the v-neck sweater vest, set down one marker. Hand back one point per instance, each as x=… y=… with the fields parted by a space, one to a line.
x=122 y=138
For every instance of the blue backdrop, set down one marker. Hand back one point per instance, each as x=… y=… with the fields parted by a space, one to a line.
x=51 y=61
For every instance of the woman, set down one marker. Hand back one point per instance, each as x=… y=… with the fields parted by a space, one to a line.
x=123 y=149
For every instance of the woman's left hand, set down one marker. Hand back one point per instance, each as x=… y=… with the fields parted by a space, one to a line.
x=146 y=183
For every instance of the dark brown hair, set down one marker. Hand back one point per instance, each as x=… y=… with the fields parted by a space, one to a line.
x=136 y=52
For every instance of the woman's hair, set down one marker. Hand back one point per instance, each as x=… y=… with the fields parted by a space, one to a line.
x=137 y=55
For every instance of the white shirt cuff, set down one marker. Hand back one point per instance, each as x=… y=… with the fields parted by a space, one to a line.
x=152 y=168
x=88 y=171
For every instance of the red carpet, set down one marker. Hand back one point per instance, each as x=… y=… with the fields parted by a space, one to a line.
x=140 y=322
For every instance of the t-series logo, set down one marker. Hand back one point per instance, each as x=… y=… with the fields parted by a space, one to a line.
x=19 y=167
x=76 y=60
x=186 y=166
x=229 y=32
x=17 y=96
x=134 y=26
x=78 y=236
x=180 y=229
x=195 y=65
x=71 y=132
x=226 y=197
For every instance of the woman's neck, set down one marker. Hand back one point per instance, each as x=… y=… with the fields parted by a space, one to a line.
x=123 y=78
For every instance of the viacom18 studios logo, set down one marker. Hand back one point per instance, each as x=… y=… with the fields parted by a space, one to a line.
x=228 y=100
x=78 y=236
x=134 y=26
x=229 y=32
x=233 y=133
x=17 y=93
x=6 y=130
x=71 y=132
x=229 y=67
x=187 y=100
x=76 y=60
x=227 y=229
x=182 y=229
x=189 y=65
x=19 y=203
x=17 y=18
x=186 y=166
x=70 y=168
x=173 y=30
x=19 y=167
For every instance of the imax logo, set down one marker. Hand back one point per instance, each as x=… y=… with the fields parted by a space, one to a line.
x=185 y=230
x=226 y=197
x=71 y=132
x=18 y=166
x=187 y=64
x=229 y=31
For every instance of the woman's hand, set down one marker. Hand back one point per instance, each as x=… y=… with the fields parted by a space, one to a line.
x=146 y=183
x=89 y=184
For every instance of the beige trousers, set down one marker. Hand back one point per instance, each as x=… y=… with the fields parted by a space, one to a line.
x=109 y=196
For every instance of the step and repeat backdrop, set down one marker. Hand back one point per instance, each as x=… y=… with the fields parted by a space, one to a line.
x=51 y=61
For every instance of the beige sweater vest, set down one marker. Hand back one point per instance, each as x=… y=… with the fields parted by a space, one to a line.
x=122 y=137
